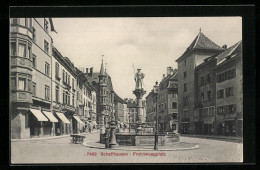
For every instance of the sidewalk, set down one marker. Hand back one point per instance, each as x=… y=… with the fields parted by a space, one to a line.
x=51 y=137
x=226 y=138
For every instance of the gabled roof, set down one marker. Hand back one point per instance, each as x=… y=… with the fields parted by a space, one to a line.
x=230 y=52
x=201 y=42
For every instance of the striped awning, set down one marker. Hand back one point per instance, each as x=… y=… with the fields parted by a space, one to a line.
x=50 y=116
x=63 y=118
x=78 y=119
x=38 y=114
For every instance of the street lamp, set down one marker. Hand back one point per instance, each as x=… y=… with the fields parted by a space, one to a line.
x=129 y=120
x=156 y=125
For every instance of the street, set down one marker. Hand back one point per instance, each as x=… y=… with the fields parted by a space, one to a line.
x=60 y=150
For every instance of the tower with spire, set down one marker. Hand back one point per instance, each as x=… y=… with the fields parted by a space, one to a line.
x=102 y=91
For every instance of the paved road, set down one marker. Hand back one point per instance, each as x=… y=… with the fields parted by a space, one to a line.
x=62 y=151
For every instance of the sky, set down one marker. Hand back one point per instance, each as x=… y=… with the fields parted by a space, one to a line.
x=149 y=43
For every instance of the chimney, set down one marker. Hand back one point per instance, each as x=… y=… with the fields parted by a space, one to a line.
x=163 y=75
x=86 y=70
x=169 y=70
x=156 y=83
x=91 y=71
x=224 y=46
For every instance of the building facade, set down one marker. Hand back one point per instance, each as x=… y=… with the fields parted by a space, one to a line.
x=45 y=87
x=201 y=48
x=104 y=96
x=229 y=91
x=31 y=54
x=205 y=97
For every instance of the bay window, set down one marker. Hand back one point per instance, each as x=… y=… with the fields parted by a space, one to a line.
x=21 y=50
x=21 y=83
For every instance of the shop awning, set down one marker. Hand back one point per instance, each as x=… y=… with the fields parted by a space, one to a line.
x=50 y=116
x=63 y=118
x=77 y=118
x=38 y=114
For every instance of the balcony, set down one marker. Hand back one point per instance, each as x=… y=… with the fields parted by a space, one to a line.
x=21 y=29
x=23 y=62
x=21 y=96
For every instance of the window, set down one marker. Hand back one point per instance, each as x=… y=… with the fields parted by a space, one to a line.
x=21 y=83
x=184 y=74
x=174 y=115
x=22 y=21
x=13 y=48
x=185 y=63
x=220 y=94
x=231 y=108
x=46 y=24
x=229 y=91
x=165 y=106
x=73 y=99
x=185 y=87
x=209 y=78
x=34 y=34
x=57 y=69
x=63 y=97
x=29 y=85
x=63 y=75
x=202 y=96
x=174 y=105
x=226 y=75
x=173 y=126
x=220 y=110
x=202 y=81
x=29 y=52
x=13 y=82
x=47 y=69
x=73 y=84
x=68 y=98
x=33 y=89
x=57 y=93
x=47 y=92
x=21 y=50
x=68 y=79
x=46 y=46
x=34 y=61
x=14 y=21
x=209 y=95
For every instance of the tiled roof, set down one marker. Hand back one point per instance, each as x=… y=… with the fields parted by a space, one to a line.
x=201 y=42
x=93 y=78
x=230 y=52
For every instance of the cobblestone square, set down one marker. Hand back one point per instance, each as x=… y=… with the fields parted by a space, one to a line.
x=61 y=150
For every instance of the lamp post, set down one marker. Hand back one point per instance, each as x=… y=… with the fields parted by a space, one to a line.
x=129 y=120
x=156 y=125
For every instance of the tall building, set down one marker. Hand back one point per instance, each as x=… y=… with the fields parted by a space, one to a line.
x=63 y=93
x=201 y=48
x=151 y=103
x=105 y=94
x=229 y=91
x=30 y=53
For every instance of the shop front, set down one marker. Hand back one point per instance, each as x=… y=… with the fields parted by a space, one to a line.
x=208 y=125
x=38 y=123
x=62 y=124
x=185 y=126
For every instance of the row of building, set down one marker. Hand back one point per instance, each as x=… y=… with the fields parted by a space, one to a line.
x=210 y=94
x=205 y=95
x=49 y=96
